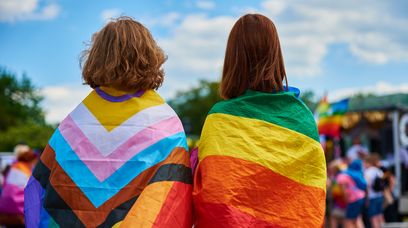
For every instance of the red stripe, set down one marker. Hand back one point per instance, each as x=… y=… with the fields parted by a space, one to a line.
x=177 y=209
x=330 y=129
x=227 y=216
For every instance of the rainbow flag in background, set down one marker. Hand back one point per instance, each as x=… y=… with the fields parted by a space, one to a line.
x=330 y=116
x=117 y=160
x=260 y=164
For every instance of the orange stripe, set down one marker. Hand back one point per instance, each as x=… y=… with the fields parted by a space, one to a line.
x=257 y=191
x=23 y=167
x=177 y=209
x=144 y=212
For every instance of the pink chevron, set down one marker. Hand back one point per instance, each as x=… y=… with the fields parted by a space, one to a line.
x=102 y=167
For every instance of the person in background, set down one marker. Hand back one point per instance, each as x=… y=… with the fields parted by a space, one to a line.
x=353 y=184
x=374 y=178
x=15 y=180
x=338 y=203
x=356 y=151
x=390 y=202
x=404 y=169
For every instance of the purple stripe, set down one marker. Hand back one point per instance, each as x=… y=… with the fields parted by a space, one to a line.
x=33 y=203
x=194 y=159
x=122 y=98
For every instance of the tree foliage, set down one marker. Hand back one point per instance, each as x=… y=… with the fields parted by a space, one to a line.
x=19 y=101
x=193 y=105
x=21 y=117
x=309 y=98
x=34 y=135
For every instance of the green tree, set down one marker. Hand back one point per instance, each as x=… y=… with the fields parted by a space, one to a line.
x=193 y=105
x=309 y=98
x=34 y=135
x=21 y=117
x=19 y=101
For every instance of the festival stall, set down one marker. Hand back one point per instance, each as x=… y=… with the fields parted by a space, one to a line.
x=381 y=122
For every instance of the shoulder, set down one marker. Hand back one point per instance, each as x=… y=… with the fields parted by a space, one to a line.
x=284 y=110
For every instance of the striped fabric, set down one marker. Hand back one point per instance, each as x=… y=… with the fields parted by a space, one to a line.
x=330 y=116
x=117 y=160
x=260 y=164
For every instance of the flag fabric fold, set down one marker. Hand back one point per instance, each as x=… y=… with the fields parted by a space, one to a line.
x=260 y=164
x=116 y=160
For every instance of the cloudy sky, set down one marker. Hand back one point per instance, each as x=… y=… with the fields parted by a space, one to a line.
x=339 y=47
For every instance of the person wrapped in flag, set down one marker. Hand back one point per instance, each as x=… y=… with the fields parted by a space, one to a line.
x=120 y=158
x=12 y=190
x=260 y=163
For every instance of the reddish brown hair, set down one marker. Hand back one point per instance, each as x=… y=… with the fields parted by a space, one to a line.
x=125 y=56
x=253 y=58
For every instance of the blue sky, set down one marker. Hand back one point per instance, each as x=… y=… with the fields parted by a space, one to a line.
x=340 y=47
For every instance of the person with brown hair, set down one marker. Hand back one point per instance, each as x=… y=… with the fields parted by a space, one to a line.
x=260 y=163
x=120 y=157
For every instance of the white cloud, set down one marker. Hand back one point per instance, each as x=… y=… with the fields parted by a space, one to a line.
x=307 y=29
x=109 y=14
x=61 y=100
x=275 y=7
x=195 y=50
x=21 y=10
x=196 y=43
x=205 y=5
x=380 y=88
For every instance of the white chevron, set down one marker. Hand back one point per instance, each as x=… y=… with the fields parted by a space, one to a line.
x=106 y=142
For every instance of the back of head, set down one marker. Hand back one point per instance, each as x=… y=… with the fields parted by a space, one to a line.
x=253 y=58
x=125 y=56
x=373 y=159
x=24 y=153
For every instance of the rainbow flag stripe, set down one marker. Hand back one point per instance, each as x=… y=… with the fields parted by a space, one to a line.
x=330 y=116
x=115 y=161
x=260 y=164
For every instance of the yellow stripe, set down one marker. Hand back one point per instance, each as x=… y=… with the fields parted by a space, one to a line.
x=282 y=150
x=113 y=114
x=144 y=212
x=117 y=225
x=338 y=119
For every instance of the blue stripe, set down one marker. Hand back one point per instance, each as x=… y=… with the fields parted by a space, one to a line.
x=99 y=192
x=340 y=106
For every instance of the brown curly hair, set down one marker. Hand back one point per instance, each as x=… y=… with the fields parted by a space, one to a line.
x=123 y=55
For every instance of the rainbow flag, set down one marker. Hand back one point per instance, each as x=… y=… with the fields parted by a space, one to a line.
x=330 y=116
x=260 y=164
x=117 y=160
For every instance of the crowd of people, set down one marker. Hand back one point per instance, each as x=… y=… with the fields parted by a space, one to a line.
x=14 y=178
x=360 y=190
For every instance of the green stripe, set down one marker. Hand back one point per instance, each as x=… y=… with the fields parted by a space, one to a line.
x=283 y=109
x=52 y=223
